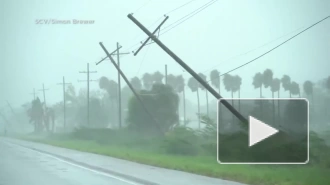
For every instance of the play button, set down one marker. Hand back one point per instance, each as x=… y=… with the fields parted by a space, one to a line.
x=259 y=131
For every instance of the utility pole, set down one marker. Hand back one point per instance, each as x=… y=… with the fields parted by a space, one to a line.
x=119 y=85
x=132 y=89
x=165 y=74
x=187 y=68
x=34 y=94
x=88 y=72
x=64 y=111
x=43 y=90
x=116 y=52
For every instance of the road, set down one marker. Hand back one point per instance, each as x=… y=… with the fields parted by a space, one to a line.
x=24 y=162
x=20 y=166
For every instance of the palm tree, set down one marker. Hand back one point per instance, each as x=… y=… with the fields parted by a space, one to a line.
x=237 y=82
x=257 y=82
x=136 y=83
x=181 y=88
x=111 y=87
x=286 y=83
x=147 y=81
x=275 y=87
x=193 y=85
x=308 y=88
x=267 y=78
x=157 y=77
x=215 y=79
x=216 y=82
x=171 y=80
x=228 y=82
x=206 y=92
x=295 y=90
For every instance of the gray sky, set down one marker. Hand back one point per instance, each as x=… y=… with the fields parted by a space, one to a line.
x=33 y=54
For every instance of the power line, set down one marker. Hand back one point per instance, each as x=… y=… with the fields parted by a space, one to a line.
x=184 y=18
x=175 y=9
x=188 y=16
x=145 y=4
x=171 y=11
x=144 y=56
x=274 y=47
x=251 y=50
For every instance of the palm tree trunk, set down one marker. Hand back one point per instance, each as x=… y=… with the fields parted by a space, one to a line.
x=184 y=106
x=199 y=121
x=273 y=108
x=207 y=103
x=278 y=108
x=232 y=103
x=239 y=101
x=261 y=102
x=290 y=95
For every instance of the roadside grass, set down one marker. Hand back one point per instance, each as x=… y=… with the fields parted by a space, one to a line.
x=203 y=165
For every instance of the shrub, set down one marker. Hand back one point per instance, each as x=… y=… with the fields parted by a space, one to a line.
x=181 y=141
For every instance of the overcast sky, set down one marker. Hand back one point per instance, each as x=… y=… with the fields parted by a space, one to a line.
x=33 y=54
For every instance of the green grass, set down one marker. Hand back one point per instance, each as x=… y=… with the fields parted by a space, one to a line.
x=204 y=165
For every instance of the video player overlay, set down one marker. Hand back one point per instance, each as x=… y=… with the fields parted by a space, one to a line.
x=277 y=132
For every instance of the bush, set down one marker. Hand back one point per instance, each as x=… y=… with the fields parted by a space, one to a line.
x=162 y=102
x=181 y=141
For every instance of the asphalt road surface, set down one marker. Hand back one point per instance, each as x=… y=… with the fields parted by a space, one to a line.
x=24 y=162
x=21 y=166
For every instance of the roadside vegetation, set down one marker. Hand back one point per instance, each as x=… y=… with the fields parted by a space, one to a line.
x=167 y=142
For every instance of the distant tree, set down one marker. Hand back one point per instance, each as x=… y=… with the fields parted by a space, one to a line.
x=36 y=114
x=275 y=87
x=206 y=92
x=193 y=85
x=157 y=77
x=229 y=85
x=295 y=90
x=181 y=89
x=70 y=94
x=286 y=83
x=257 y=82
x=172 y=80
x=216 y=82
x=308 y=89
x=215 y=79
x=166 y=114
x=267 y=78
x=237 y=82
x=111 y=87
x=147 y=81
x=136 y=83
x=98 y=115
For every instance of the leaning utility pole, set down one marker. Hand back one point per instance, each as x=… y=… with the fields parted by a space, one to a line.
x=116 y=52
x=43 y=90
x=64 y=111
x=187 y=68
x=132 y=89
x=119 y=85
x=88 y=72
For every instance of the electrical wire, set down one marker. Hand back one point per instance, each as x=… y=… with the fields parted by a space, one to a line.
x=188 y=16
x=318 y=22
x=152 y=24
x=144 y=56
x=252 y=50
x=145 y=4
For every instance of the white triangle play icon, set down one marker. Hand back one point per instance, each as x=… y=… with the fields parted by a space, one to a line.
x=259 y=131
